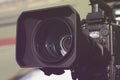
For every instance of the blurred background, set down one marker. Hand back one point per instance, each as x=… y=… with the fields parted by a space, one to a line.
x=9 y=13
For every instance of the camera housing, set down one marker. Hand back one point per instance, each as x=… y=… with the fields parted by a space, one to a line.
x=53 y=38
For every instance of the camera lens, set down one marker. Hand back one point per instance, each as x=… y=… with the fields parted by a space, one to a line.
x=53 y=40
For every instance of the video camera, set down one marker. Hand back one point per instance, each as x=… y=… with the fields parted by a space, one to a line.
x=55 y=39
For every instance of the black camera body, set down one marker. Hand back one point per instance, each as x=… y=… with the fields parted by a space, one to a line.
x=53 y=38
x=56 y=38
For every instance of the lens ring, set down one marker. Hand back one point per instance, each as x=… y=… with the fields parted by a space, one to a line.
x=65 y=44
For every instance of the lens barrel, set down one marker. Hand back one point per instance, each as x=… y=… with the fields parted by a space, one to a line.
x=55 y=43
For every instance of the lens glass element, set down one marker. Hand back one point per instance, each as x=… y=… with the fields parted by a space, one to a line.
x=65 y=44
